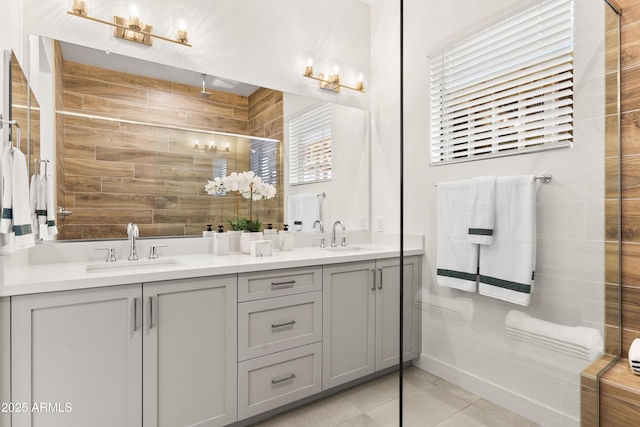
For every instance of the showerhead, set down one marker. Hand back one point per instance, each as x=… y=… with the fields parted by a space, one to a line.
x=203 y=93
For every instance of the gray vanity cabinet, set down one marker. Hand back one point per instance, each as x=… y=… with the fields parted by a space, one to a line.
x=79 y=354
x=136 y=355
x=361 y=318
x=190 y=352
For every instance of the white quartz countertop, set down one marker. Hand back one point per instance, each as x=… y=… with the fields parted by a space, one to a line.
x=63 y=276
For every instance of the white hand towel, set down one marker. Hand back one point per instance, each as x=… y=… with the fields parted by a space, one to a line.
x=457 y=265
x=507 y=265
x=33 y=203
x=7 y=239
x=305 y=208
x=49 y=188
x=579 y=341
x=7 y=189
x=21 y=208
x=481 y=210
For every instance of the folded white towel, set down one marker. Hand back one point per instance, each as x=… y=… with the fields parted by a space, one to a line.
x=507 y=266
x=578 y=341
x=33 y=202
x=16 y=210
x=481 y=210
x=305 y=208
x=457 y=265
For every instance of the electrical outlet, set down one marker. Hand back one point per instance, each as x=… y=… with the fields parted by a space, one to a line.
x=363 y=223
x=380 y=224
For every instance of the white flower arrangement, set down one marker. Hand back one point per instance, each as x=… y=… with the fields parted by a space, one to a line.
x=250 y=186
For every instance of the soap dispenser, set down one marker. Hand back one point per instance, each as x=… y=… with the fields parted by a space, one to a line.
x=271 y=235
x=208 y=232
x=220 y=242
x=286 y=239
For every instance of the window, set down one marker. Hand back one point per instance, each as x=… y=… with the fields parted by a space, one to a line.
x=310 y=146
x=220 y=170
x=507 y=89
x=263 y=160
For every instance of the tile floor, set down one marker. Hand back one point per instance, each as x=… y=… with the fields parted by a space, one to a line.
x=428 y=401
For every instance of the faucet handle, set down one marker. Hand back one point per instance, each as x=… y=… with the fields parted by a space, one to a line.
x=153 y=253
x=111 y=255
x=344 y=240
x=323 y=243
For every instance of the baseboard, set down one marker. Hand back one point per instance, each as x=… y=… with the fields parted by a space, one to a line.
x=517 y=403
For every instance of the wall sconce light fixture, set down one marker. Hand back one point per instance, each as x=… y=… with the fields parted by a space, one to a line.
x=131 y=28
x=333 y=81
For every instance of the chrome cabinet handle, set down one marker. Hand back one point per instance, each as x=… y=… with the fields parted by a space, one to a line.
x=135 y=314
x=373 y=288
x=283 y=285
x=150 y=312
x=282 y=325
x=282 y=380
x=380 y=284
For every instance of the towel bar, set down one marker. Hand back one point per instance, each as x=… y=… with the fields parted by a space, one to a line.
x=544 y=177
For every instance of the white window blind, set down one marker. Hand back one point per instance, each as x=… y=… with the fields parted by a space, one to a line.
x=507 y=89
x=220 y=170
x=263 y=160
x=310 y=146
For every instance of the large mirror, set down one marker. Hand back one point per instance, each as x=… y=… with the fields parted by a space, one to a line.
x=137 y=142
x=24 y=110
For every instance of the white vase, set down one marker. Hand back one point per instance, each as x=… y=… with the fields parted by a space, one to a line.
x=246 y=238
x=234 y=240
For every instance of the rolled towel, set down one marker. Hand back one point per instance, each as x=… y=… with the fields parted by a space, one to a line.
x=578 y=341
x=51 y=211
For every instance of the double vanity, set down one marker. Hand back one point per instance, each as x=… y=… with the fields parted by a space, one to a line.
x=196 y=339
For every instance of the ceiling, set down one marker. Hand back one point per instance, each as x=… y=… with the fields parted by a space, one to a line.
x=125 y=64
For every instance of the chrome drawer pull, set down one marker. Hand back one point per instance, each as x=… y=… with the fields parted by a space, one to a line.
x=282 y=325
x=373 y=288
x=282 y=380
x=135 y=314
x=282 y=285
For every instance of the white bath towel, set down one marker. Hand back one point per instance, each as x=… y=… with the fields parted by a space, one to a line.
x=49 y=188
x=304 y=208
x=481 y=210
x=6 y=221
x=457 y=264
x=16 y=210
x=507 y=265
x=37 y=200
x=579 y=341
x=7 y=238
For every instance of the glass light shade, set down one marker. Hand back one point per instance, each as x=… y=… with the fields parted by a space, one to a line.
x=79 y=7
x=181 y=23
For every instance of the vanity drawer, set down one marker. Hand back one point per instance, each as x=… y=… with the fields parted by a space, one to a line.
x=276 y=324
x=262 y=284
x=274 y=380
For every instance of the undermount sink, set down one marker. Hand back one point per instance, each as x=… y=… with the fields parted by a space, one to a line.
x=129 y=265
x=346 y=248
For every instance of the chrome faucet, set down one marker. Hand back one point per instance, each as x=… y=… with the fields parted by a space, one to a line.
x=133 y=234
x=333 y=236
x=322 y=241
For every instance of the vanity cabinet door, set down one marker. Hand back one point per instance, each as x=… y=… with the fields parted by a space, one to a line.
x=190 y=352
x=388 y=308
x=348 y=324
x=76 y=358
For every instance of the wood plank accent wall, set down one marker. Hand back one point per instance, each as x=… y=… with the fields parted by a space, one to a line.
x=116 y=172
x=619 y=396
